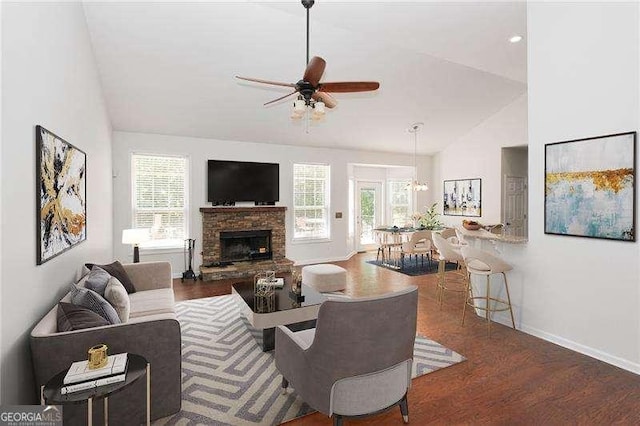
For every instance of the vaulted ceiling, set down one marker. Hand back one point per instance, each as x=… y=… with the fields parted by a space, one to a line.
x=169 y=68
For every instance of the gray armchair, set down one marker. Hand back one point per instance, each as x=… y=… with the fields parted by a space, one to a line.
x=357 y=361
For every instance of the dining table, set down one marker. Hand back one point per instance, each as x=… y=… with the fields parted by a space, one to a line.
x=390 y=239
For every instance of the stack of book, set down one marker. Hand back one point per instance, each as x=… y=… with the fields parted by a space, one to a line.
x=81 y=378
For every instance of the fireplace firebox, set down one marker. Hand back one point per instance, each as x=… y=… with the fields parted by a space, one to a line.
x=238 y=246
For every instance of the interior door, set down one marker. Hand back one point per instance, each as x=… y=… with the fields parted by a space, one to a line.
x=369 y=210
x=515 y=206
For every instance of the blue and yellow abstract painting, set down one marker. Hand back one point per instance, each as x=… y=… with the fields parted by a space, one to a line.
x=589 y=187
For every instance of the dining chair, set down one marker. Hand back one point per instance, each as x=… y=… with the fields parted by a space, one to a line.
x=419 y=244
x=379 y=238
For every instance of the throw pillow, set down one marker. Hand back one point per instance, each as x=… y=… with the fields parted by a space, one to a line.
x=116 y=294
x=72 y=317
x=91 y=300
x=97 y=280
x=116 y=269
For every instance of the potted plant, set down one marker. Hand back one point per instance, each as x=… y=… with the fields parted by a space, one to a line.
x=431 y=218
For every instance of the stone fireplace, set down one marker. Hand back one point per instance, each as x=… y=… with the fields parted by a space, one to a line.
x=253 y=238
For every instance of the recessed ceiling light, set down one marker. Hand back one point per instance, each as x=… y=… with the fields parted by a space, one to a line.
x=515 y=39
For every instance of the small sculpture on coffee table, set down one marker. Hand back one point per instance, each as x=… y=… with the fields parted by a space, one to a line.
x=264 y=292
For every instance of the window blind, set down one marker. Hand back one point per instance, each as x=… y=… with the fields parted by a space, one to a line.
x=311 y=201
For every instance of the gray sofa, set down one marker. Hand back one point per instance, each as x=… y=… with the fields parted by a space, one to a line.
x=152 y=331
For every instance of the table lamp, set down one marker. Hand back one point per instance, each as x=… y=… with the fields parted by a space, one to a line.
x=135 y=237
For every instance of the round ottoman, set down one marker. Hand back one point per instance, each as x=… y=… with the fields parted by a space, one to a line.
x=325 y=278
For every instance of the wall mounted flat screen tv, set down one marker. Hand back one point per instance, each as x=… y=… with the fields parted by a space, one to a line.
x=232 y=181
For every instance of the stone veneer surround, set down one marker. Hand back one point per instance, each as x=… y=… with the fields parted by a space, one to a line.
x=220 y=219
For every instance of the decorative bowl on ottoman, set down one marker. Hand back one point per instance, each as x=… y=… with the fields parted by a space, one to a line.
x=471 y=225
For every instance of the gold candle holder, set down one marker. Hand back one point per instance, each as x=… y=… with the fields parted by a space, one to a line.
x=97 y=357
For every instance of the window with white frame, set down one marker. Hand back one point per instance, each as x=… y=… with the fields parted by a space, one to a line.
x=311 y=201
x=400 y=201
x=159 y=196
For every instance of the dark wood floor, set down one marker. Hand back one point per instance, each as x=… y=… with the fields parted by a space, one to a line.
x=510 y=378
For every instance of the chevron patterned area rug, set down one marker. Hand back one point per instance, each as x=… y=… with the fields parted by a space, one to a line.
x=228 y=380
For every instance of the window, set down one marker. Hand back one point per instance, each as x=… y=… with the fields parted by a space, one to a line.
x=160 y=198
x=311 y=201
x=400 y=201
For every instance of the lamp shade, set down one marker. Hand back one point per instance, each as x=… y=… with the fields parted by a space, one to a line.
x=135 y=236
x=299 y=106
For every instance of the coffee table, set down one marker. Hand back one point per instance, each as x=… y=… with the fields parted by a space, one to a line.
x=295 y=316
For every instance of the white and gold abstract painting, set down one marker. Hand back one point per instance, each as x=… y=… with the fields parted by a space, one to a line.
x=61 y=206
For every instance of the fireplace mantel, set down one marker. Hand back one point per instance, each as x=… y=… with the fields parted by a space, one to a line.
x=256 y=209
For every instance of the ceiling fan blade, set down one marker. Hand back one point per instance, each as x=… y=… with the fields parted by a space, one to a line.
x=329 y=101
x=281 y=98
x=314 y=71
x=349 y=86
x=274 y=83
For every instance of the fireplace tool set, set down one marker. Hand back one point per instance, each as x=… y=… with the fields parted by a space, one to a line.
x=189 y=247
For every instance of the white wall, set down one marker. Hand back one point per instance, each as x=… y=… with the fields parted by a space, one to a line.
x=515 y=161
x=479 y=155
x=48 y=78
x=583 y=81
x=201 y=150
x=1 y=227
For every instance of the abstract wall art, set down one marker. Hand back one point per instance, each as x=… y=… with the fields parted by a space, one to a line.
x=61 y=195
x=590 y=187
x=462 y=197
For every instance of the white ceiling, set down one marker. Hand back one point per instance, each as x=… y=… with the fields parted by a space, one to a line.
x=169 y=68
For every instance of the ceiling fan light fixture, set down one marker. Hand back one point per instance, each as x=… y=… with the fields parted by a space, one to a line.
x=318 y=109
x=299 y=107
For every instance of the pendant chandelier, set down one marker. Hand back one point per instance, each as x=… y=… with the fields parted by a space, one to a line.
x=415 y=184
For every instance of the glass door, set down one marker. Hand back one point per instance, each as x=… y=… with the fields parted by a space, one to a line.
x=368 y=213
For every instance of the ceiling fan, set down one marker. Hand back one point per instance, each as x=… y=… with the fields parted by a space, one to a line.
x=311 y=91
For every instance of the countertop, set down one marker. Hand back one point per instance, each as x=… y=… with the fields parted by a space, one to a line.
x=486 y=235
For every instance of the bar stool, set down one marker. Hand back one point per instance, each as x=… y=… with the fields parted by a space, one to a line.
x=480 y=262
x=449 y=253
x=448 y=233
x=460 y=237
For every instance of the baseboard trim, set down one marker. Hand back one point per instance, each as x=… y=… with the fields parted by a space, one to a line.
x=625 y=364
x=325 y=260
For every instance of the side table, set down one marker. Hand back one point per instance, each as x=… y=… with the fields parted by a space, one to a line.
x=137 y=367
